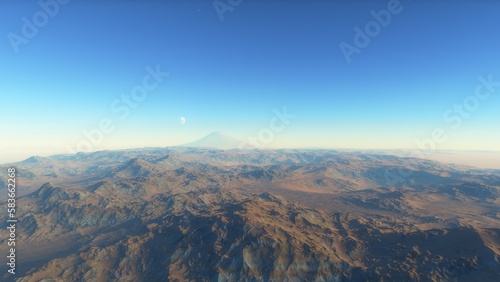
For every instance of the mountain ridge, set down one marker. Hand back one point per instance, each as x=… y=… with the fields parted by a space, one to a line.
x=217 y=140
x=200 y=214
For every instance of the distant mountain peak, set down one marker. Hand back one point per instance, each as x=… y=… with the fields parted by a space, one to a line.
x=217 y=140
x=218 y=134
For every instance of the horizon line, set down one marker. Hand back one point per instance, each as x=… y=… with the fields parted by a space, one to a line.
x=257 y=148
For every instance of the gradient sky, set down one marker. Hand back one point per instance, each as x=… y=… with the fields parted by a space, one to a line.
x=229 y=75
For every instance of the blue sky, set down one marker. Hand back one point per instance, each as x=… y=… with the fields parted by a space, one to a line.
x=228 y=75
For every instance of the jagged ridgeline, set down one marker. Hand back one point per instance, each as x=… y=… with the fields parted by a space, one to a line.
x=196 y=213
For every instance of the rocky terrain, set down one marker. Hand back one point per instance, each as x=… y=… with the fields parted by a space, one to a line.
x=200 y=214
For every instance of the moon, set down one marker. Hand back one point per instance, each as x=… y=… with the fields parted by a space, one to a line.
x=182 y=120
